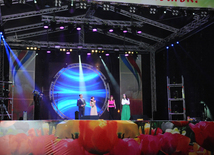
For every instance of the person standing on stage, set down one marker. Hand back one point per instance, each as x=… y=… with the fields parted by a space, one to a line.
x=111 y=106
x=81 y=104
x=125 y=115
x=93 y=106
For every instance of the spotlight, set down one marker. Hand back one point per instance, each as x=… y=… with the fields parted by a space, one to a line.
x=111 y=30
x=129 y=52
x=35 y=48
x=175 y=12
x=37 y=54
x=94 y=29
x=35 y=1
x=27 y=48
x=153 y=11
x=67 y=52
x=177 y=42
x=71 y=50
x=79 y=46
x=46 y=25
x=92 y=51
x=31 y=48
x=172 y=45
x=204 y=13
x=126 y=55
x=107 y=54
x=83 y=5
x=96 y=51
x=99 y=47
x=60 y=49
x=61 y=26
x=102 y=51
x=164 y=11
x=132 y=9
x=78 y=27
x=106 y=7
x=125 y=30
x=100 y=57
x=58 y=3
x=22 y=1
x=167 y=47
x=48 y=51
x=88 y=54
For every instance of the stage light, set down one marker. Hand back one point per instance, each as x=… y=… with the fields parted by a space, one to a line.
x=132 y=9
x=35 y=1
x=27 y=48
x=88 y=54
x=175 y=12
x=57 y=46
x=79 y=46
x=111 y=30
x=100 y=57
x=125 y=30
x=153 y=11
x=71 y=50
x=92 y=51
x=35 y=48
x=126 y=55
x=48 y=51
x=99 y=47
x=129 y=52
x=106 y=7
x=172 y=45
x=22 y=1
x=164 y=12
x=67 y=52
x=94 y=29
x=204 y=13
x=58 y=3
x=167 y=47
x=83 y=5
x=177 y=42
x=96 y=51
x=63 y=49
x=46 y=25
x=37 y=53
x=107 y=54
x=31 y=48
x=102 y=51
x=139 y=31
x=132 y=52
x=61 y=26
x=78 y=27
x=60 y=49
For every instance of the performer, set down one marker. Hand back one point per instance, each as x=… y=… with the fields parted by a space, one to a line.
x=93 y=106
x=111 y=106
x=81 y=104
x=125 y=115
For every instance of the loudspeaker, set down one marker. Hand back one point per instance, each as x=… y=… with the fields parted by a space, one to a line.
x=135 y=117
x=90 y=117
x=76 y=114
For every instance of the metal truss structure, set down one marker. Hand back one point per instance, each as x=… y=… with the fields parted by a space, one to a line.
x=85 y=46
x=135 y=20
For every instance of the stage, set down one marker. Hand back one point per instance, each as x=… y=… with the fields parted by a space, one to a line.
x=114 y=137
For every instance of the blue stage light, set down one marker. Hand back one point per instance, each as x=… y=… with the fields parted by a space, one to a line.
x=65 y=90
x=167 y=47
x=177 y=42
x=172 y=45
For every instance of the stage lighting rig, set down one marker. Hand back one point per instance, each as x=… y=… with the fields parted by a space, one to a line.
x=83 y=5
x=106 y=6
x=204 y=13
x=132 y=9
x=175 y=12
x=58 y=3
x=153 y=11
x=22 y=1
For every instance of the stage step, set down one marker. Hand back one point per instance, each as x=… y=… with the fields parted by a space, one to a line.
x=90 y=117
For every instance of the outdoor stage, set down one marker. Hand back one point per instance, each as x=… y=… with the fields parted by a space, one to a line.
x=117 y=137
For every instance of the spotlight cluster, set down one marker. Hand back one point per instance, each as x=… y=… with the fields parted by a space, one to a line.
x=172 y=45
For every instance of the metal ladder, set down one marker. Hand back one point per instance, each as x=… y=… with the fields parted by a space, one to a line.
x=172 y=112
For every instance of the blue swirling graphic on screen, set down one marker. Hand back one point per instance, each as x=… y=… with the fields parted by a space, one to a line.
x=67 y=89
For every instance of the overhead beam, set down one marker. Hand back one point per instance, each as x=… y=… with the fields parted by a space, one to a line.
x=144 y=20
x=33 y=13
x=197 y=22
x=86 y=46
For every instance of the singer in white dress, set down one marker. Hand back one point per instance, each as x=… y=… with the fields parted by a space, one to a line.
x=93 y=106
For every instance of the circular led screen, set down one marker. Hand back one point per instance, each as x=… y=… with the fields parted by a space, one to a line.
x=75 y=79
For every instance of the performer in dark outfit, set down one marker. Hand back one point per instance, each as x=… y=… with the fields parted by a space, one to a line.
x=81 y=104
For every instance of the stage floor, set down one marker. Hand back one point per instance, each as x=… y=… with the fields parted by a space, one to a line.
x=117 y=137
